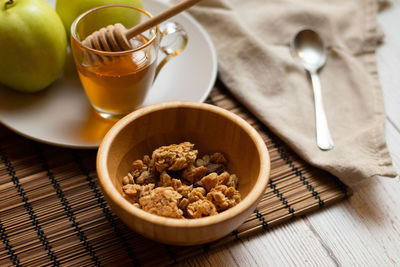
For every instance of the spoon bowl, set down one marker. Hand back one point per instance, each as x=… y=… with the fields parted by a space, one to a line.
x=308 y=47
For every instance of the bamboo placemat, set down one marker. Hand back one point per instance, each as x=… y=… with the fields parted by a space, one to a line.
x=52 y=211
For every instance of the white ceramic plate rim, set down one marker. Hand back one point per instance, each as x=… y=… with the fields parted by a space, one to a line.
x=207 y=91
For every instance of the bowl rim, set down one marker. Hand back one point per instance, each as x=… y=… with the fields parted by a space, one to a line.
x=253 y=196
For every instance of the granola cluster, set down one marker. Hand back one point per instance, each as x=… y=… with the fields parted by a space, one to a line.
x=174 y=182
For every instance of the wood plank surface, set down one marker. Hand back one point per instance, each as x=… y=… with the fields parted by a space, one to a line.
x=361 y=231
x=389 y=61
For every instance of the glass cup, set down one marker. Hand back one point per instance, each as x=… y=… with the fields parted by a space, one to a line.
x=116 y=83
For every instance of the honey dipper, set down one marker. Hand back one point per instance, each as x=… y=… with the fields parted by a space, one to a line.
x=116 y=37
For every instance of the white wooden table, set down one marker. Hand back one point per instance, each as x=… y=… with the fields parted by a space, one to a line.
x=361 y=231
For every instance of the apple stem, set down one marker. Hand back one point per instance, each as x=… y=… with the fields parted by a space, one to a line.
x=9 y=2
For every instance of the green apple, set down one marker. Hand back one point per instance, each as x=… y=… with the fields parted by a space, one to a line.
x=69 y=10
x=32 y=44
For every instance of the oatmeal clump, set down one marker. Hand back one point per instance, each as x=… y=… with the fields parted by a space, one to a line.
x=201 y=208
x=197 y=194
x=146 y=177
x=138 y=168
x=218 y=158
x=193 y=174
x=213 y=179
x=174 y=157
x=162 y=201
x=224 y=197
x=134 y=191
x=174 y=183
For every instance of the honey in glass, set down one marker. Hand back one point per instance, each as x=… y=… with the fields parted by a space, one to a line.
x=116 y=82
x=117 y=85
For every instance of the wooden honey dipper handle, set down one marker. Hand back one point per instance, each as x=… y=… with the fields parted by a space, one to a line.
x=116 y=37
x=166 y=14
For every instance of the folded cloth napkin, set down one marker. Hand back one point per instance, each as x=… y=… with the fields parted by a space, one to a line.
x=252 y=40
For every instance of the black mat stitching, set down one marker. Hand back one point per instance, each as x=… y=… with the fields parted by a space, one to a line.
x=10 y=250
x=107 y=213
x=65 y=203
x=29 y=209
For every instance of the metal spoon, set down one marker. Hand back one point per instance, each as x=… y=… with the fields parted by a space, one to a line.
x=308 y=46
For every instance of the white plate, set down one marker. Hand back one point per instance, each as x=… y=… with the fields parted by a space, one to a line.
x=61 y=115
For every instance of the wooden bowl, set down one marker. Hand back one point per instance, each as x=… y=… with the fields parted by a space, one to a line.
x=211 y=129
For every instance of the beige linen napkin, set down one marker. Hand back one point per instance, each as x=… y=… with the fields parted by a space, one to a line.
x=252 y=40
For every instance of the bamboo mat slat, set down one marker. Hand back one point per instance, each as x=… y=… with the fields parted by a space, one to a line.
x=52 y=211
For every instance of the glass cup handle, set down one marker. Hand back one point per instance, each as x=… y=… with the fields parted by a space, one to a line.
x=173 y=41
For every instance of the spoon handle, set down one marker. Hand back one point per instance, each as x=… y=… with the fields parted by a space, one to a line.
x=324 y=139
